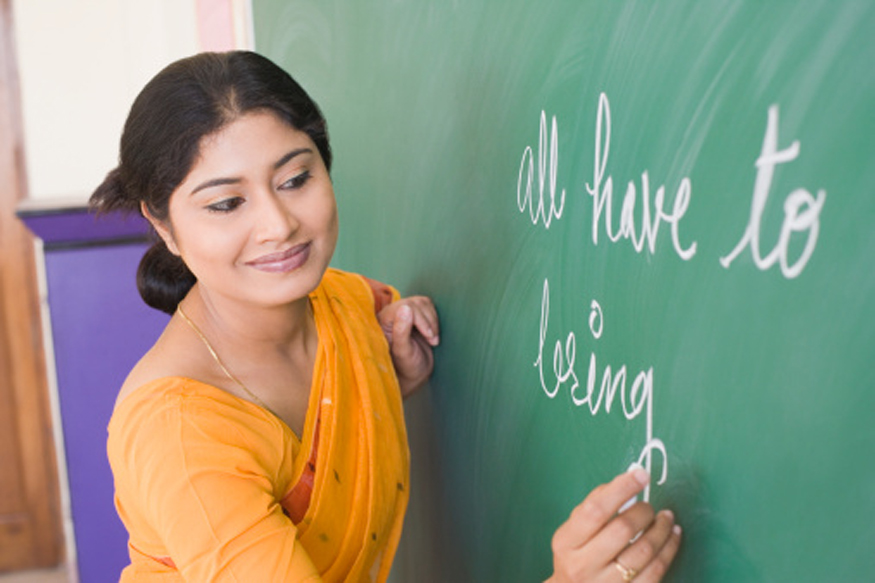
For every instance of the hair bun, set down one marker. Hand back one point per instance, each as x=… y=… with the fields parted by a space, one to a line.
x=163 y=279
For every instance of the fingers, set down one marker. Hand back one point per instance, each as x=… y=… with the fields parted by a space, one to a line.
x=622 y=530
x=412 y=330
x=598 y=509
x=610 y=537
x=425 y=318
x=402 y=328
x=408 y=314
x=652 y=553
x=411 y=352
x=659 y=566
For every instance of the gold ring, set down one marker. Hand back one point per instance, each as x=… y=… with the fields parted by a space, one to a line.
x=627 y=573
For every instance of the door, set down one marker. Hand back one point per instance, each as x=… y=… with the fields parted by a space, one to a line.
x=30 y=517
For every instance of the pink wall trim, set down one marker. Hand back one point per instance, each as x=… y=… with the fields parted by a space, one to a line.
x=215 y=24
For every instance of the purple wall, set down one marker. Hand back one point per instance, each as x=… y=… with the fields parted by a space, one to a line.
x=100 y=328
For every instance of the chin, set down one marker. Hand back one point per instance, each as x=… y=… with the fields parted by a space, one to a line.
x=299 y=285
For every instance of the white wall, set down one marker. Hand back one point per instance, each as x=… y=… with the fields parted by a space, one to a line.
x=81 y=63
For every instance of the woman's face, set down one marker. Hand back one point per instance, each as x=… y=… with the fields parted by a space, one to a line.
x=255 y=219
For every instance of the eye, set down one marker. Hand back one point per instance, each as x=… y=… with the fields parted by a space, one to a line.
x=225 y=205
x=296 y=182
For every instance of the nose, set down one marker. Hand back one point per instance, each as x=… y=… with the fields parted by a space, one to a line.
x=274 y=221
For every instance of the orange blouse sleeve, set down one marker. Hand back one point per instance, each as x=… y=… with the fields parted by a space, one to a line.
x=206 y=480
x=383 y=294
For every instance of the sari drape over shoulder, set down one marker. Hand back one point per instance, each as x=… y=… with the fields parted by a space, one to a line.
x=214 y=488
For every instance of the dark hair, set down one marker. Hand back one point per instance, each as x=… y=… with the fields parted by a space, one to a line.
x=188 y=100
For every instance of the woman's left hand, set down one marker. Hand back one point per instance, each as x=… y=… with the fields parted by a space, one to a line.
x=412 y=329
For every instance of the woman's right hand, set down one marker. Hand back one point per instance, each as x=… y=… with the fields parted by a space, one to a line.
x=599 y=543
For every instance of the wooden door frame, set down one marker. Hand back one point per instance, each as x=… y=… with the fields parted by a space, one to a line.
x=37 y=530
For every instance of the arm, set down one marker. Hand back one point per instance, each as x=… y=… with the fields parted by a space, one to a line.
x=600 y=543
x=204 y=481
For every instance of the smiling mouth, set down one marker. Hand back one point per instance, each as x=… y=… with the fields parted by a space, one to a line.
x=283 y=261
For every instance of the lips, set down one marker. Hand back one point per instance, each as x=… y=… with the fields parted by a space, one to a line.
x=282 y=261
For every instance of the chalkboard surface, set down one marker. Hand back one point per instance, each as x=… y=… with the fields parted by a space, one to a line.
x=648 y=227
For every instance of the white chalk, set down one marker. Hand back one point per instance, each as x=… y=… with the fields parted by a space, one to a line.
x=632 y=467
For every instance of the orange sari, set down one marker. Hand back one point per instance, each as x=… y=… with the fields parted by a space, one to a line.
x=214 y=488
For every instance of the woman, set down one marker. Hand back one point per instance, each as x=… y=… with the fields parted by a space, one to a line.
x=262 y=437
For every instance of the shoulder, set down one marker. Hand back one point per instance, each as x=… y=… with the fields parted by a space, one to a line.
x=173 y=356
x=366 y=291
x=172 y=402
x=176 y=420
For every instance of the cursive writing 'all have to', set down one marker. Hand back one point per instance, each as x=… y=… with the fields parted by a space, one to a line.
x=539 y=197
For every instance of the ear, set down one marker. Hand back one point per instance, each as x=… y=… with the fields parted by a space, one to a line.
x=161 y=228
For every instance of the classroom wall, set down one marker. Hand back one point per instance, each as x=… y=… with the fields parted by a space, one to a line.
x=83 y=62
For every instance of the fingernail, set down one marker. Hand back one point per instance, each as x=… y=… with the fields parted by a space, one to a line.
x=642 y=476
x=405 y=313
x=677 y=529
x=668 y=514
x=639 y=473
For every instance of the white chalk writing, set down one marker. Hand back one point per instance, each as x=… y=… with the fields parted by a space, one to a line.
x=539 y=197
x=801 y=209
x=635 y=399
x=524 y=194
x=602 y=189
x=544 y=203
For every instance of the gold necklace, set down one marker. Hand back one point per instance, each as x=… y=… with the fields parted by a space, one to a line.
x=218 y=360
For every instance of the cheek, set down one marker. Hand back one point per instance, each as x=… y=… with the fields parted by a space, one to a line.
x=334 y=225
x=333 y=217
x=204 y=249
x=327 y=213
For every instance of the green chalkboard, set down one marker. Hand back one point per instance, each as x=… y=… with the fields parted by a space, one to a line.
x=677 y=191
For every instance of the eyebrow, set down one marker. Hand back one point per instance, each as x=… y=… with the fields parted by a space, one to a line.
x=276 y=166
